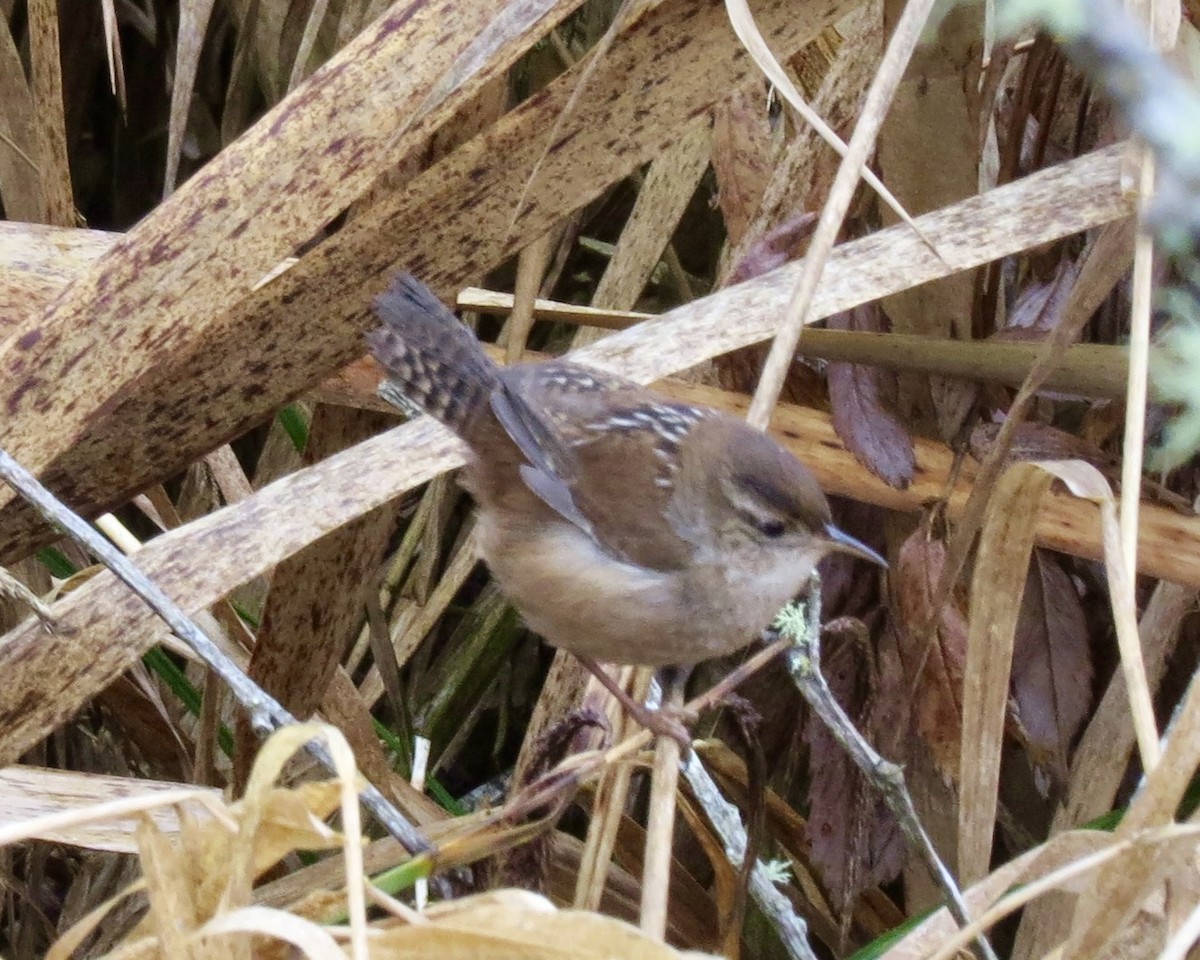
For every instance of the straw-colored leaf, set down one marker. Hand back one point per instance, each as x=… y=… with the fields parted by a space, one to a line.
x=669 y=186
x=1085 y=481
x=49 y=113
x=51 y=685
x=196 y=381
x=309 y=939
x=297 y=169
x=318 y=596
x=803 y=174
x=999 y=581
x=1103 y=752
x=929 y=154
x=193 y=25
x=20 y=180
x=1032 y=868
x=165 y=288
x=514 y=925
x=1036 y=210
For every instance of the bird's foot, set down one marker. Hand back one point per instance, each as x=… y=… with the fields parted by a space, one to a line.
x=666 y=721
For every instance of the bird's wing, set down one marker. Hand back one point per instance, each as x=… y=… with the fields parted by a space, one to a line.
x=551 y=466
x=586 y=436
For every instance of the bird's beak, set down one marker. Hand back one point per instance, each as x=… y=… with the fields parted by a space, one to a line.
x=844 y=543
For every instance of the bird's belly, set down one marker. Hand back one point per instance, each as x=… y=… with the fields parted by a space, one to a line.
x=579 y=598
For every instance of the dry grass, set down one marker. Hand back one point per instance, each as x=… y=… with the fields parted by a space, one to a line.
x=201 y=200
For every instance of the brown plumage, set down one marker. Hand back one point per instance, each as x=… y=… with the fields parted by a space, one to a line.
x=624 y=526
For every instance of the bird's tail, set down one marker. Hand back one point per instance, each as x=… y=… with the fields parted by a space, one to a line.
x=435 y=362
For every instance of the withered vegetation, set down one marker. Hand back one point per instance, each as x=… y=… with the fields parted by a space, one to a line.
x=200 y=201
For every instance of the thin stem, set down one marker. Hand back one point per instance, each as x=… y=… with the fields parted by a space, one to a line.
x=660 y=825
x=804 y=663
x=266 y=714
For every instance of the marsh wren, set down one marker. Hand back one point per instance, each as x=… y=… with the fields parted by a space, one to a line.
x=625 y=527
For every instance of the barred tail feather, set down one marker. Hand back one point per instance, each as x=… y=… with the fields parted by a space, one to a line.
x=433 y=359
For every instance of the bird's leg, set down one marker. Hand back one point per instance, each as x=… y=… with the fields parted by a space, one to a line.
x=664 y=723
x=673 y=680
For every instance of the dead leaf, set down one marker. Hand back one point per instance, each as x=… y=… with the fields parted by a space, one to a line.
x=929 y=154
x=996 y=587
x=775 y=248
x=1040 y=305
x=745 y=149
x=1037 y=441
x=861 y=416
x=317 y=597
x=1052 y=663
x=516 y=924
x=933 y=657
x=855 y=841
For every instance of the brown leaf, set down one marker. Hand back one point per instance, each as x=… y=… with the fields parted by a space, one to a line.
x=512 y=924
x=1040 y=305
x=668 y=188
x=869 y=429
x=1052 y=663
x=744 y=152
x=953 y=400
x=775 y=248
x=855 y=841
x=1037 y=441
x=837 y=69
x=933 y=658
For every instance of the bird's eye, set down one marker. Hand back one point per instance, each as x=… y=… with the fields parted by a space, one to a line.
x=771 y=529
